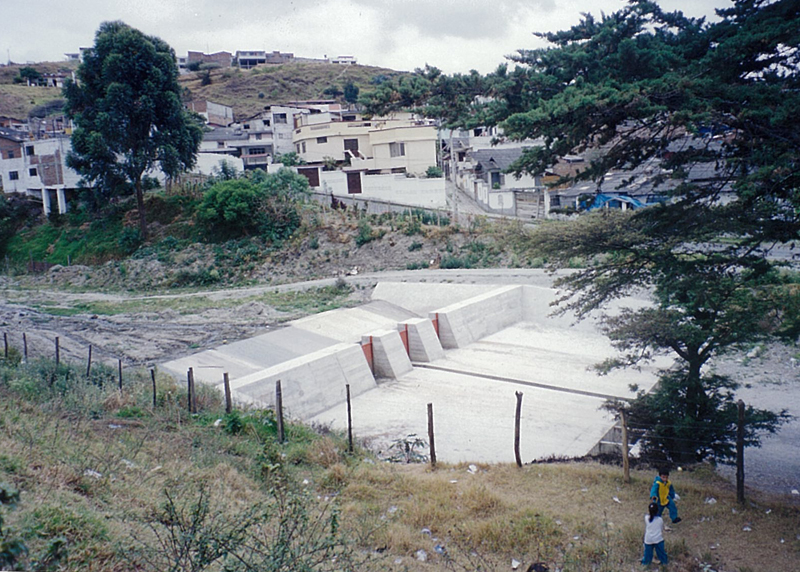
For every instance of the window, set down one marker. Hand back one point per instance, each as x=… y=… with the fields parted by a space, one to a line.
x=246 y=126
x=258 y=136
x=32 y=171
x=351 y=144
x=10 y=154
x=322 y=140
x=220 y=144
x=29 y=151
x=279 y=118
x=257 y=151
x=397 y=149
x=298 y=147
x=13 y=176
x=304 y=146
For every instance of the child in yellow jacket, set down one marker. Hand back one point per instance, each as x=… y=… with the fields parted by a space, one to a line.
x=663 y=493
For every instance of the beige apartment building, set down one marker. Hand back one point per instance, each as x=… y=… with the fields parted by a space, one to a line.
x=401 y=143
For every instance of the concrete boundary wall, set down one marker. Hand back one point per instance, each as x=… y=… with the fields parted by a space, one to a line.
x=423 y=343
x=389 y=357
x=464 y=322
x=310 y=384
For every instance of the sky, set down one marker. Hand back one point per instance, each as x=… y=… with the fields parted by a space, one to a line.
x=453 y=35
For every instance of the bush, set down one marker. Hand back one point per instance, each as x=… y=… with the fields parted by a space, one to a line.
x=434 y=172
x=365 y=233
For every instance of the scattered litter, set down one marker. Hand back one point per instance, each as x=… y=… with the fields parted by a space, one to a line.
x=439 y=549
x=747 y=529
x=305 y=481
x=129 y=464
x=92 y=473
x=576 y=537
x=558 y=522
x=584 y=490
x=677 y=496
x=156 y=468
x=615 y=499
x=714 y=546
x=711 y=500
x=795 y=492
x=398 y=560
x=421 y=555
x=426 y=530
x=114 y=426
x=782 y=541
x=734 y=511
x=515 y=564
x=769 y=510
x=369 y=461
x=472 y=469
x=454 y=481
x=218 y=422
x=392 y=509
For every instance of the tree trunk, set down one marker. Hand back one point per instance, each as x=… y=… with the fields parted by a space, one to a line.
x=140 y=206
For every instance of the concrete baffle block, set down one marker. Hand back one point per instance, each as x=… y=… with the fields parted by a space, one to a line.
x=423 y=343
x=465 y=322
x=389 y=357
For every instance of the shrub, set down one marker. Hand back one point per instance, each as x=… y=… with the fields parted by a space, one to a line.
x=434 y=172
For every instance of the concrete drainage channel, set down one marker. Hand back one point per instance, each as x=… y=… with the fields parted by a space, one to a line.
x=464 y=348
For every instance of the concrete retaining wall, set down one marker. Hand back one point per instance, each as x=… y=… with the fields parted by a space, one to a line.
x=310 y=384
x=462 y=323
x=423 y=343
x=389 y=357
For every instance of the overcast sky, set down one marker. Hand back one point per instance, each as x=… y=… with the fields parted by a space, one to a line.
x=453 y=35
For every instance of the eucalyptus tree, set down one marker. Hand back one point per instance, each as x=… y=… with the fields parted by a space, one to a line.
x=128 y=116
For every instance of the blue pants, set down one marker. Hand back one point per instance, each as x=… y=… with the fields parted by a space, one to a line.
x=673 y=510
x=660 y=552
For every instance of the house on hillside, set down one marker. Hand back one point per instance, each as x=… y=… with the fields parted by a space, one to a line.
x=401 y=143
x=247 y=59
x=215 y=114
x=37 y=169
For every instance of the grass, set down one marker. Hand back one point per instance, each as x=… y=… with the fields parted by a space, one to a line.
x=96 y=468
x=309 y=301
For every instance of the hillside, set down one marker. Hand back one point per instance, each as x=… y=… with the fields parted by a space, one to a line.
x=246 y=91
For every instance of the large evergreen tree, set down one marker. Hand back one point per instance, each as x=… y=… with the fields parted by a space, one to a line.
x=128 y=114
x=644 y=86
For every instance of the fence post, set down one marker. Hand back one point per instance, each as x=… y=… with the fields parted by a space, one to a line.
x=279 y=410
x=431 y=435
x=189 y=390
x=58 y=357
x=740 y=453
x=89 y=362
x=119 y=370
x=349 y=420
x=626 y=467
x=5 y=345
x=193 y=393
x=153 y=377
x=516 y=428
x=227 y=383
x=25 y=347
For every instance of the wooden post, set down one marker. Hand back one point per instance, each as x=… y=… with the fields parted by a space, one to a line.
x=24 y=347
x=227 y=383
x=89 y=362
x=740 y=453
x=431 y=435
x=58 y=357
x=279 y=411
x=189 y=390
x=153 y=377
x=192 y=401
x=626 y=467
x=349 y=421
x=516 y=428
x=5 y=345
x=119 y=370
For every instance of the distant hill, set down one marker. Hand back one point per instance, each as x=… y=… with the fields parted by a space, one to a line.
x=246 y=91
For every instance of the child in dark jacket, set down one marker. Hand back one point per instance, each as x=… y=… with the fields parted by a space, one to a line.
x=663 y=494
x=654 y=536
